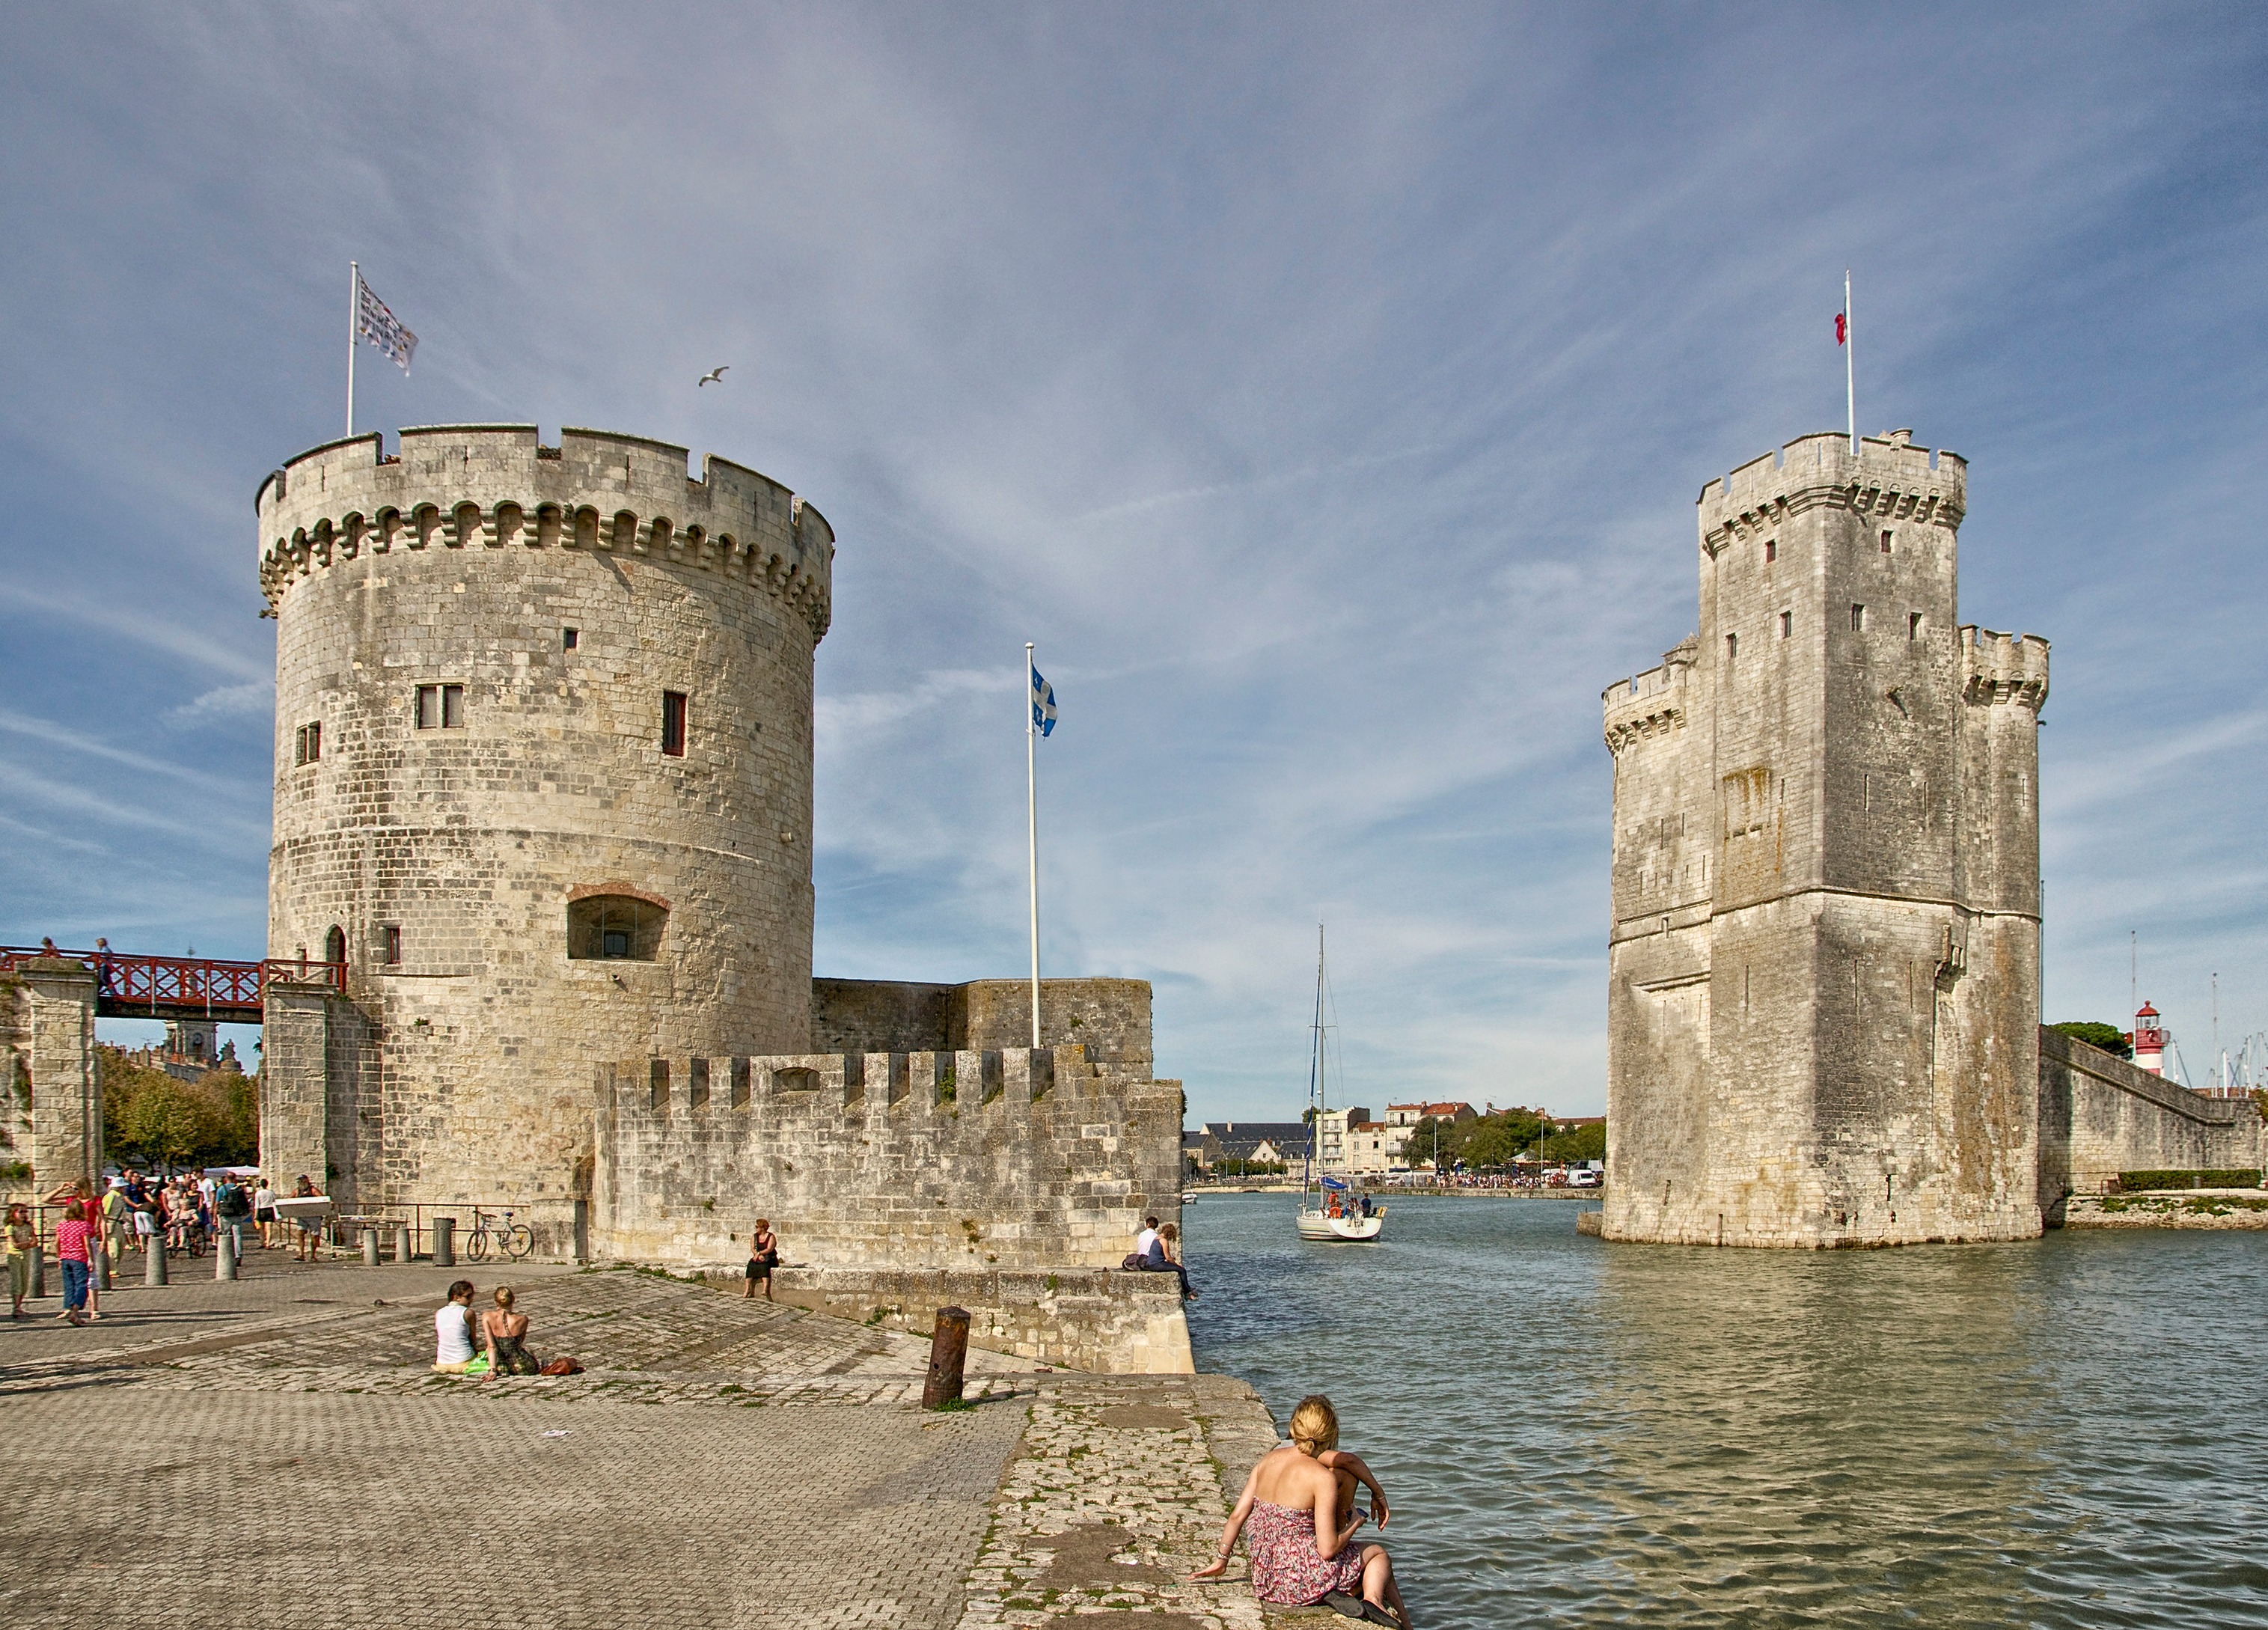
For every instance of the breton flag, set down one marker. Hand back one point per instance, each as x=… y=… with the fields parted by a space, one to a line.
x=380 y=326
x=1842 y=327
x=1044 y=704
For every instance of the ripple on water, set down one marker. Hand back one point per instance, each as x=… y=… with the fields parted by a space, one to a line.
x=2068 y=1432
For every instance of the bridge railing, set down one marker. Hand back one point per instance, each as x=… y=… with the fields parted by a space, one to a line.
x=170 y=986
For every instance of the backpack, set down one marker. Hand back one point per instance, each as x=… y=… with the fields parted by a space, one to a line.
x=231 y=1201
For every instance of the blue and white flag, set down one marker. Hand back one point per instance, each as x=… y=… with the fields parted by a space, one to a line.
x=380 y=326
x=1044 y=704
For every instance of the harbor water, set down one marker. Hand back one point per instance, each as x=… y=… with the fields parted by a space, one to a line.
x=2068 y=1432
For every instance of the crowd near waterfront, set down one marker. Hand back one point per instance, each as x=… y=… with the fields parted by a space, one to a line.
x=2071 y=1431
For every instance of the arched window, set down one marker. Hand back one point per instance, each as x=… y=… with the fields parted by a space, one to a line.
x=334 y=945
x=609 y=923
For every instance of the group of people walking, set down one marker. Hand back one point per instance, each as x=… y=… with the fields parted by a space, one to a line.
x=133 y=1211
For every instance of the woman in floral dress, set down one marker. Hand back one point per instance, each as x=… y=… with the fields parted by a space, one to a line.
x=1300 y=1530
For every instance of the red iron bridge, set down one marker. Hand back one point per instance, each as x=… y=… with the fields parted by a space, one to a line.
x=130 y=986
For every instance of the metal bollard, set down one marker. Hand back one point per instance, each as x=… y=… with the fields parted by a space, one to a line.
x=445 y=1242
x=155 y=1274
x=224 y=1256
x=39 y=1272
x=948 y=1351
x=405 y=1243
x=98 y=1259
x=370 y=1248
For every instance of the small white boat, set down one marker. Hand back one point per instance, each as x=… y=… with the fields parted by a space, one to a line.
x=1326 y=1229
x=1329 y=1213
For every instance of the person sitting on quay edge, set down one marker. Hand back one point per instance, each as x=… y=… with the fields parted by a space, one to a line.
x=502 y=1331
x=1303 y=1553
x=23 y=1256
x=1165 y=1256
x=763 y=1256
x=452 y=1330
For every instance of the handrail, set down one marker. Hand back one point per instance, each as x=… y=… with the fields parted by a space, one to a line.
x=167 y=987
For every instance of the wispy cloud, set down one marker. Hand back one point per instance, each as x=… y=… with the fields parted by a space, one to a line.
x=1329 y=389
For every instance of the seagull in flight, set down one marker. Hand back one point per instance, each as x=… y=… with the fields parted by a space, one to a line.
x=715 y=376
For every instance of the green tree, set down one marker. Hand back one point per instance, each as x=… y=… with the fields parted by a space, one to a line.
x=2109 y=1038
x=1577 y=1143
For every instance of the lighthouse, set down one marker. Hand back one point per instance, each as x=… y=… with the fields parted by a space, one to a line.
x=2150 y=1039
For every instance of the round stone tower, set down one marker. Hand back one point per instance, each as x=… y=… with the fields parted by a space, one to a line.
x=543 y=783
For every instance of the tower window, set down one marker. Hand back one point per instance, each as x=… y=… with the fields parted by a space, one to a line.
x=1786 y=624
x=440 y=707
x=1913 y=625
x=673 y=723
x=1886 y=542
x=1858 y=619
x=1771 y=550
x=612 y=927
x=569 y=638
x=1731 y=646
x=389 y=944
x=307 y=743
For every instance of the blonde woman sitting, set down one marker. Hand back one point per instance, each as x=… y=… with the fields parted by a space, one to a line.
x=1302 y=1523
x=502 y=1332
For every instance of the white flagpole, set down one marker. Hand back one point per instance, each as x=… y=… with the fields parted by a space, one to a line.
x=354 y=292
x=1032 y=821
x=1849 y=364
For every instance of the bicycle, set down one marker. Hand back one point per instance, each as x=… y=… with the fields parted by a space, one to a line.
x=515 y=1240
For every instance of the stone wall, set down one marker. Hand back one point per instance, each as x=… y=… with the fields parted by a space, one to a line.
x=2100 y=1116
x=1823 y=952
x=1101 y=1320
x=979 y=1160
x=55 y=1027
x=15 y=1083
x=1110 y=1018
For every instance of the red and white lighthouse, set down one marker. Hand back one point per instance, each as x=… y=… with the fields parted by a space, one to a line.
x=2150 y=1038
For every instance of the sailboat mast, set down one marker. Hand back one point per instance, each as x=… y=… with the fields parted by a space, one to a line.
x=1315 y=1072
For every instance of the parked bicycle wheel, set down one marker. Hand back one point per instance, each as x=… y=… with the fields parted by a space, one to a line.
x=477 y=1245
x=519 y=1241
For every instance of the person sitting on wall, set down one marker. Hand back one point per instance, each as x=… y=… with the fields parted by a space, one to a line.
x=1147 y=1237
x=452 y=1330
x=763 y=1256
x=1303 y=1550
x=502 y=1331
x=1165 y=1256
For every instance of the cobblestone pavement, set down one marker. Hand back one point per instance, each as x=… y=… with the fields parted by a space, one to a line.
x=277 y=1451
x=1116 y=1492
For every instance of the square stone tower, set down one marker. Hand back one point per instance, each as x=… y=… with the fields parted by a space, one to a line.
x=1825 y=986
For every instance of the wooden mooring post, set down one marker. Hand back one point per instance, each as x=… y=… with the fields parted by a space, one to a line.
x=948 y=1354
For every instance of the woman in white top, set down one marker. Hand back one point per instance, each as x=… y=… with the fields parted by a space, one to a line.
x=452 y=1330
x=263 y=1213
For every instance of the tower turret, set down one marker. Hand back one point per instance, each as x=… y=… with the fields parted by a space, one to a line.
x=544 y=775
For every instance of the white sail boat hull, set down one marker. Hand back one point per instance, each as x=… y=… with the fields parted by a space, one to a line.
x=1324 y=1229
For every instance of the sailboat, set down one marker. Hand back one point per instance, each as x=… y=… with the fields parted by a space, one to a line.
x=1334 y=1215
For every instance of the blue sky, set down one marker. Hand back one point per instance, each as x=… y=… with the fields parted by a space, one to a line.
x=1325 y=388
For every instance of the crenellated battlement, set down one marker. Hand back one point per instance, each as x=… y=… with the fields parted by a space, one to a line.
x=1010 y=1158
x=1652 y=704
x=1998 y=668
x=1890 y=478
x=495 y=487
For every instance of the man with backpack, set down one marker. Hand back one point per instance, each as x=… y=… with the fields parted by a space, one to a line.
x=233 y=1206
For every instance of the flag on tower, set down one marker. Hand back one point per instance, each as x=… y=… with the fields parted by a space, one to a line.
x=380 y=326
x=1842 y=327
x=1044 y=704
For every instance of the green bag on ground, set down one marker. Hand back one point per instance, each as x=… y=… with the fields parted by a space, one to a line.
x=478 y=1367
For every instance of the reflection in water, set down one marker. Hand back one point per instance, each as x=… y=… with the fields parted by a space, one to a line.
x=2065 y=1433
